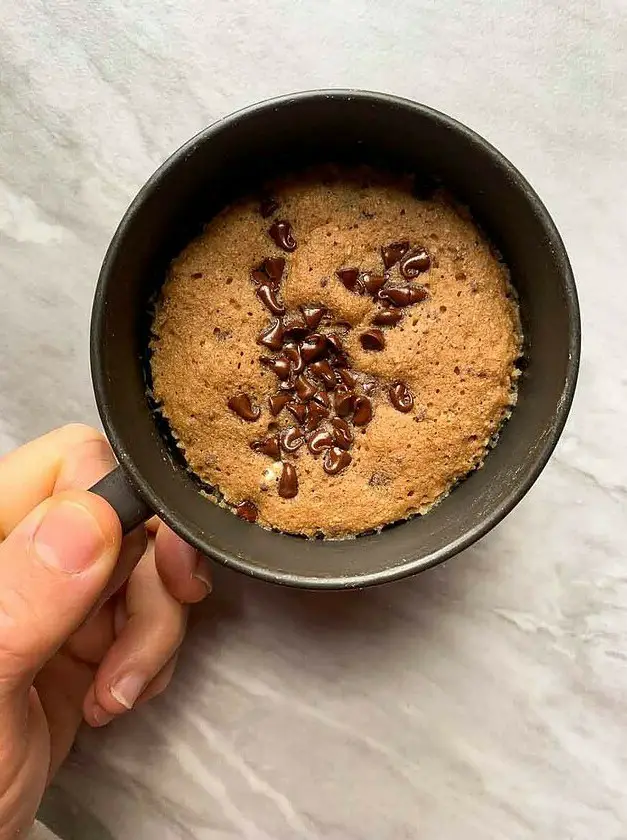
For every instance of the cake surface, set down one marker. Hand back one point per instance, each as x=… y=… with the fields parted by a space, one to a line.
x=424 y=330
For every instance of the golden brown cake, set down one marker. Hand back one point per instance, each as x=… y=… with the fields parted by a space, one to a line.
x=335 y=357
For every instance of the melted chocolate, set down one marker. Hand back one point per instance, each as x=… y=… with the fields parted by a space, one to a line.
x=335 y=460
x=267 y=295
x=415 y=262
x=282 y=235
x=269 y=446
x=288 y=483
x=273 y=336
x=393 y=252
x=241 y=405
x=372 y=340
x=401 y=397
x=247 y=510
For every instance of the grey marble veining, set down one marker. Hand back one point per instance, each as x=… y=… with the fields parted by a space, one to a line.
x=485 y=700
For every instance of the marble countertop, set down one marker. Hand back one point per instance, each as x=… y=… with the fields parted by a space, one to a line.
x=485 y=699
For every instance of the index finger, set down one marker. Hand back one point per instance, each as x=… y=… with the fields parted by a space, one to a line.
x=29 y=475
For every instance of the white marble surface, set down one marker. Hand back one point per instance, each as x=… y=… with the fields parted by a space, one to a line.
x=486 y=699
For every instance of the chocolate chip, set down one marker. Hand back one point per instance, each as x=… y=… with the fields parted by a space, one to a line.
x=335 y=460
x=393 y=252
x=288 y=483
x=267 y=295
x=295 y=327
x=277 y=403
x=395 y=296
x=288 y=386
x=362 y=411
x=348 y=275
x=322 y=398
x=373 y=282
x=316 y=413
x=269 y=446
x=274 y=267
x=323 y=370
x=304 y=388
x=292 y=351
x=313 y=315
x=335 y=343
x=403 y=295
x=343 y=400
x=291 y=439
x=298 y=410
x=318 y=441
x=347 y=378
x=273 y=336
x=247 y=510
x=240 y=404
x=350 y=279
x=313 y=347
x=414 y=263
x=337 y=348
x=283 y=236
x=259 y=277
x=372 y=340
x=268 y=206
x=401 y=397
x=387 y=317
x=418 y=294
x=280 y=366
x=197 y=275
x=342 y=433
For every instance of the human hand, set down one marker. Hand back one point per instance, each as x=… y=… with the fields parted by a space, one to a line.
x=90 y=622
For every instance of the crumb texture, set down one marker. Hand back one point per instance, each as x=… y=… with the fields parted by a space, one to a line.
x=455 y=351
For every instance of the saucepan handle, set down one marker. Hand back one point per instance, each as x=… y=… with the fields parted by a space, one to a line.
x=116 y=489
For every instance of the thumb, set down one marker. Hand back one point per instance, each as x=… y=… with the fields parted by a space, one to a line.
x=53 y=567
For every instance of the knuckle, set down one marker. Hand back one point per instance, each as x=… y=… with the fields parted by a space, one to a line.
x=174 y=631
x=15 y=613
x=82 y=433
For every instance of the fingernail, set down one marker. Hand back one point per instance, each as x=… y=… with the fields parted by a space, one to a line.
x=203 y=574
x=100 y=716
x=127 y=689
x=69 y=538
